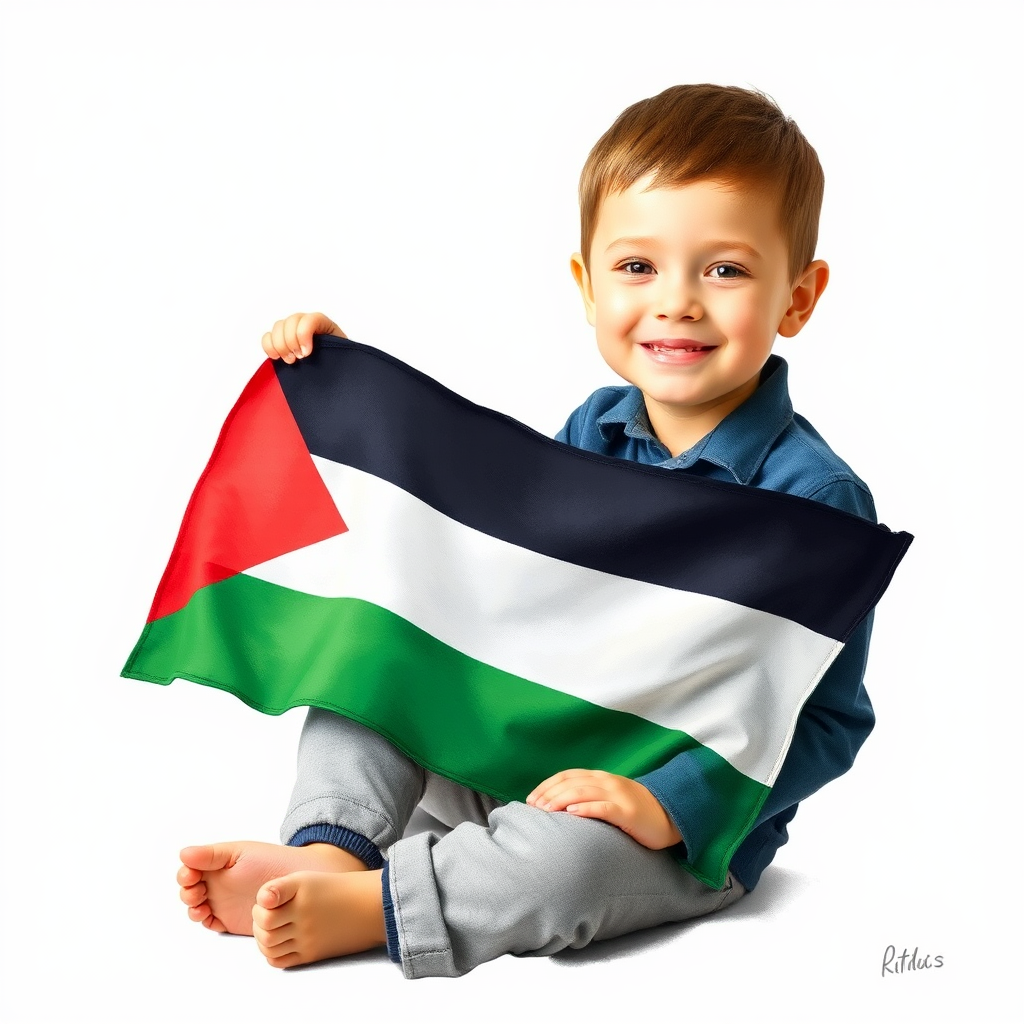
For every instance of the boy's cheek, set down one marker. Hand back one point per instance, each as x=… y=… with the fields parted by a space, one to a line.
x=614 y=322
x=616 y=305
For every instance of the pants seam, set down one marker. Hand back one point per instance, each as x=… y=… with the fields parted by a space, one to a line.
x=377 y=814
x=396 y=902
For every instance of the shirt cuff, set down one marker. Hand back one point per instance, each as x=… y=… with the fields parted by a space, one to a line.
x=690 y=788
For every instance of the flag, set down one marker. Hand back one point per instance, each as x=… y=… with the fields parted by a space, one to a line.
x=499 y=605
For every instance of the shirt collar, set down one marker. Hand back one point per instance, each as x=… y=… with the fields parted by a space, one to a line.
x=739 y=444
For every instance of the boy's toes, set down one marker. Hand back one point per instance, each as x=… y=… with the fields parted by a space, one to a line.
x=279 y=939
x=280 y=946
x=288 y=960
x=277 y=892
x=208 y=858
x=187 y=876
x=193 y=895
x=204 y=915
x=200 y=912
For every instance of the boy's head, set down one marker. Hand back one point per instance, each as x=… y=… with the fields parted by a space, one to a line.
x=707 y=132
x=699 y=213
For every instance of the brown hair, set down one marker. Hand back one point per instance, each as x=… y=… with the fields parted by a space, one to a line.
x=694 y=133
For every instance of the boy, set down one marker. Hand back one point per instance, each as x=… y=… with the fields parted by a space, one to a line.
x=699 y=213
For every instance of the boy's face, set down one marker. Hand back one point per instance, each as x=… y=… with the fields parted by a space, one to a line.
x=687 y=289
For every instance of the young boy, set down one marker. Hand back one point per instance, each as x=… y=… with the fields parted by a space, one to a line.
x=699 y=213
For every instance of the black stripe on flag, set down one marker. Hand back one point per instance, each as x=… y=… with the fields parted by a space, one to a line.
x=781 y=554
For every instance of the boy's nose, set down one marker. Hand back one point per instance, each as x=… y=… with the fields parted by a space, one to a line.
x=679 y=304
x=677 y=297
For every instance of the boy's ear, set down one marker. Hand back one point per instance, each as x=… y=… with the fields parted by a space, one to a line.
x=579 y=272
x=806 y=293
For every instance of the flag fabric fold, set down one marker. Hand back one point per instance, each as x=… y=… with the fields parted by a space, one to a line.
x=497 y=604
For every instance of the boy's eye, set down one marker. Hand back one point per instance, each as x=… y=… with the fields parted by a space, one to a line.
x=635 y=268
x=726 y=272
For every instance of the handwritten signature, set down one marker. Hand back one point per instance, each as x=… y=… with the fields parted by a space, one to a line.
x=893 y=964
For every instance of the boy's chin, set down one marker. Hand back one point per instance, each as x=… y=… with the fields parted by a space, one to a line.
x=675 y=394
x=686 y=402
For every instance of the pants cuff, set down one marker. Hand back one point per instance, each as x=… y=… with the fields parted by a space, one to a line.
x=421 y=939
x=341 y=837
x=390 y=928
x=342 y=813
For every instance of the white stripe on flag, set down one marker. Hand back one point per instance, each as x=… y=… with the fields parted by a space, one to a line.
x=732 y=677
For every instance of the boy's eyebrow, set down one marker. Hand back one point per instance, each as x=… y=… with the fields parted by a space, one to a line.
x=731 y=243
x=642 y=241
x=632 y=240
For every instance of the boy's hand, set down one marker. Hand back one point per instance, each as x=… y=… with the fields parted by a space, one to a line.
x=613 y=798
x=292 y=338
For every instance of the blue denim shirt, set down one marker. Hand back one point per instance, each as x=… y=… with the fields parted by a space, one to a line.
x=762 y=443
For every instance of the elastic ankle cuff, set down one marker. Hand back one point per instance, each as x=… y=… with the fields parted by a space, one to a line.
x=343 y=838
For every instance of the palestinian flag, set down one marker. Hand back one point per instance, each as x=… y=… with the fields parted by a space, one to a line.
x=497 y=604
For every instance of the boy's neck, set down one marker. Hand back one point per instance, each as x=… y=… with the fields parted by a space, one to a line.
x=680 y=428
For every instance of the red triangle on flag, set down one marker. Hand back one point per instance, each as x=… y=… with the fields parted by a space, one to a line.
x=260 y=496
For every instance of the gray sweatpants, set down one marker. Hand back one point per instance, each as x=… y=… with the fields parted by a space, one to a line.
x=508 y=878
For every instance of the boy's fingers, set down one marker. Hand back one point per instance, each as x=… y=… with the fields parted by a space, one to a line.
x=541 y=790
x=571 y=794
x=555 y=779
x=557 y=797
x=291 y=333
x=546 y=792
x=604 y=810
x=292 y=338
x=315 y=323
x=307 y=326
x=278 y=340
x=277 y=336
x=284 y=337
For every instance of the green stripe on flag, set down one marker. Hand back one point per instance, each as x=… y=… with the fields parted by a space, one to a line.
x=277 y=649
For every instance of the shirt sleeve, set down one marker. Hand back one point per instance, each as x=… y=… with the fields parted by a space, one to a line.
x=830 y=729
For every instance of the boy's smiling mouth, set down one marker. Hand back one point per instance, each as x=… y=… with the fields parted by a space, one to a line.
x=676 y=350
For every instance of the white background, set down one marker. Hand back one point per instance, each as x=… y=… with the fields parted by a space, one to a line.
x=175 y=177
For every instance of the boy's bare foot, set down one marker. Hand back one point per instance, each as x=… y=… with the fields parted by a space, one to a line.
x=315 y=915
x=219 y=882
